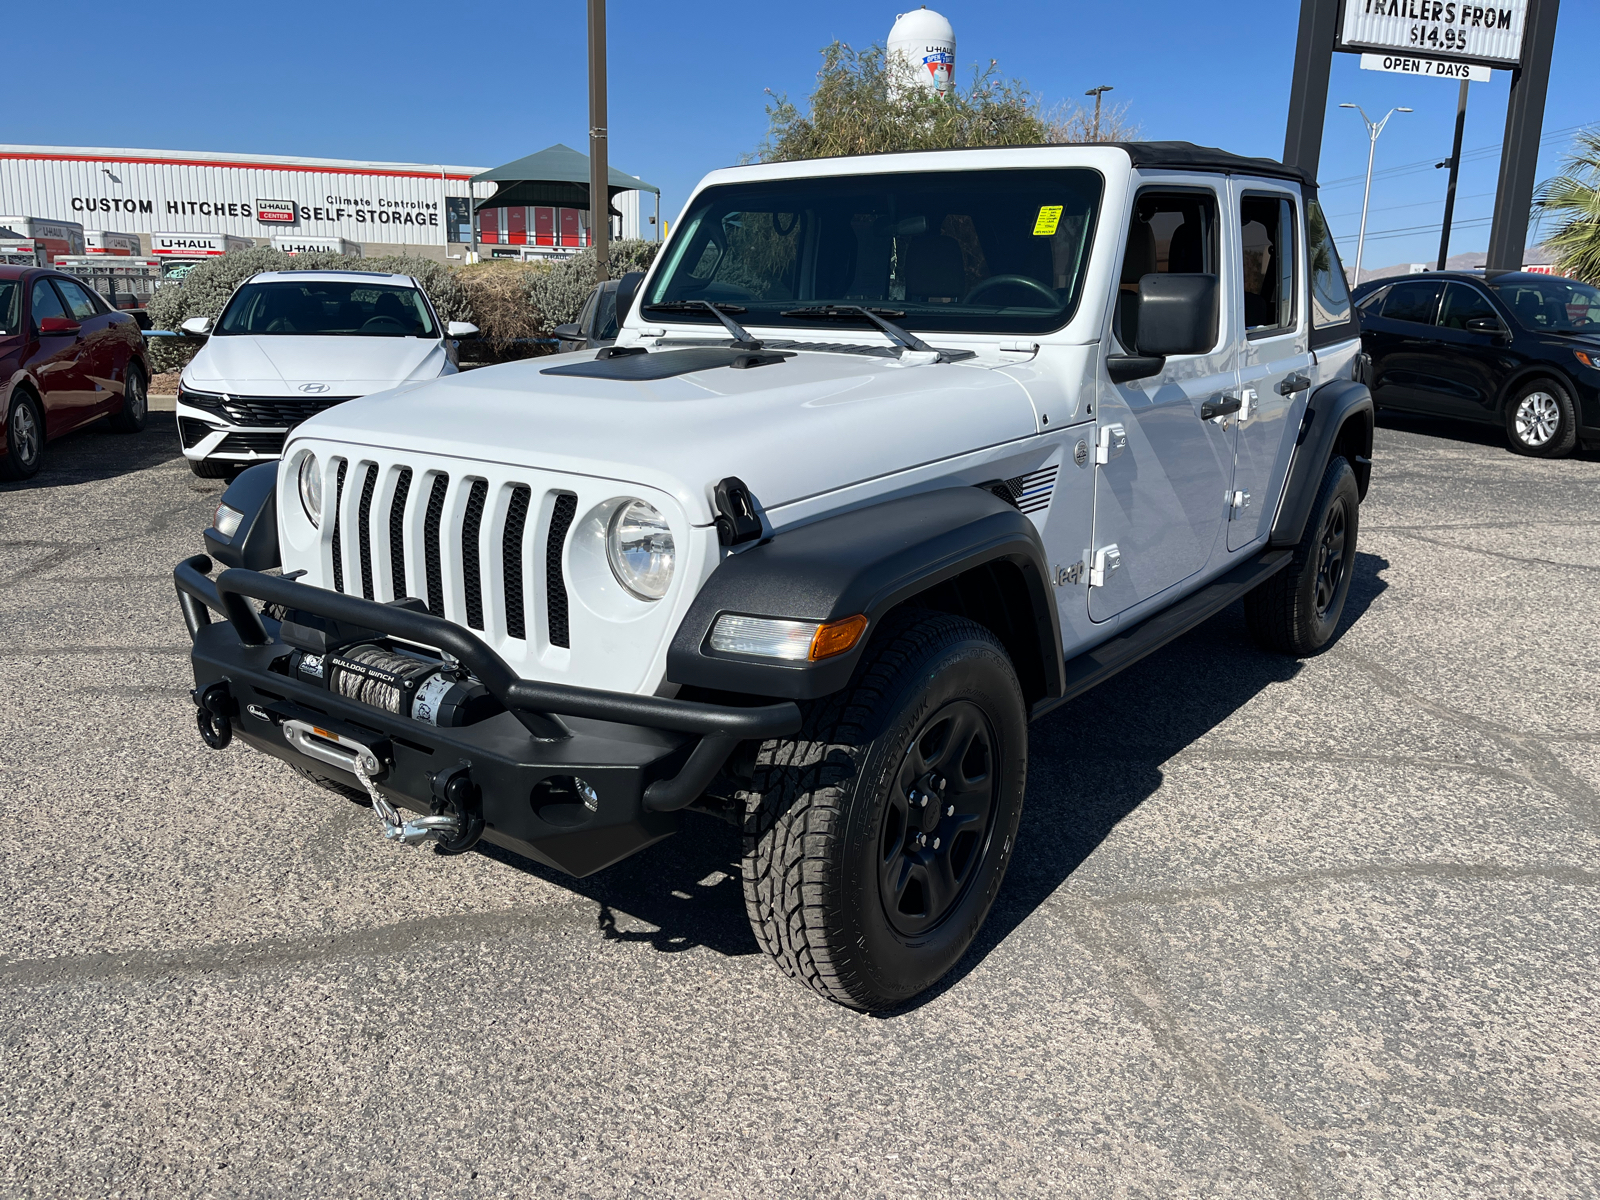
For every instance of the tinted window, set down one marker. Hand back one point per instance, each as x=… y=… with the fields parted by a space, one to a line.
x=10 y=316
x=1463 y=304
x=321 y=307
x=1330 y=297
x=1552 y=303
x=1412 y=302
x=77 y=299
x=1171 y=233
x=986 y=251
x=1267 y=232
x=45 y=302
x=605 y=318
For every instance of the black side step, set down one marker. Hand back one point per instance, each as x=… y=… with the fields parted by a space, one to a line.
x=1093 y=667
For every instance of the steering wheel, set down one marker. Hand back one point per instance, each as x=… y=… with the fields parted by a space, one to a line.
x=1023 y=280
x=382 y=321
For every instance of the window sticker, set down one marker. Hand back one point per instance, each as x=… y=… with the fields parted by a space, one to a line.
x=1049 y=218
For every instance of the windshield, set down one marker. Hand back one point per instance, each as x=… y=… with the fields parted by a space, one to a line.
x=983 y=251
x=10 y=292
x=1552 y=303
x=338 y=307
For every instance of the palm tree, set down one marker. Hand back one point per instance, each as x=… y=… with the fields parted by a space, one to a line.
x=1573 y=197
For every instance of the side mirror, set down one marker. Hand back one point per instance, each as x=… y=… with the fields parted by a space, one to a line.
x=196 y=326
x=569 y=332
x=1490 y=325
x=59 y=326
x=1176 y=314
x=461 y=330
x=627 y=292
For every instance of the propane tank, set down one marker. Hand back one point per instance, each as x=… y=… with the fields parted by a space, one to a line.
x=922 y=52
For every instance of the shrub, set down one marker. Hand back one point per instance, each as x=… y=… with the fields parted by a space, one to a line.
x=558 y=293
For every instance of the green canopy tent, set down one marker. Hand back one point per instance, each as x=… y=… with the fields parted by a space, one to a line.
x=556 y=177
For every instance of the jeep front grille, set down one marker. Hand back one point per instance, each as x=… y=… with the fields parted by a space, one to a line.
x=470 y=544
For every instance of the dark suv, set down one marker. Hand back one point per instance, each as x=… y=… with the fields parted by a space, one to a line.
x=1520 y=349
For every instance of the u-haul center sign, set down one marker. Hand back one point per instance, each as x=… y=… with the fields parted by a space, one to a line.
x=1486 y=34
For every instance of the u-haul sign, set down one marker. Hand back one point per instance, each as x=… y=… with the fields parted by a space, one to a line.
x=195 y=245
x=1490 y=34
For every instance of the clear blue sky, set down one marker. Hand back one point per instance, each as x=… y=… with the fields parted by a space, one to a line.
x=478 y=83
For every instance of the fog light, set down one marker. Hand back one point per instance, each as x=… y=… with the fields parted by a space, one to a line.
x=227 y=520
x=789 y=641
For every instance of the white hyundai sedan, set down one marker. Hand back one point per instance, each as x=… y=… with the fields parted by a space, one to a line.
x=292 y=343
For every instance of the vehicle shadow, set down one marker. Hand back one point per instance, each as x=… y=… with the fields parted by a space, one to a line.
x=98 y=452
x=1472 y=433
x=685 y=892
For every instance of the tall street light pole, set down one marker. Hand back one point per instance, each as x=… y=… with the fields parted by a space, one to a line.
x=1097 y=93
x=1372 y=150
x=599 y=170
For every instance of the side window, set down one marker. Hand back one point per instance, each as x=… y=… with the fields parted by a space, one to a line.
x=1268 y=242
x=1171 y=233
x=585 y=319
x=1412 y=302
x=1463 y=304
x=45 y=302
x=77 y=299
x=1330 y=297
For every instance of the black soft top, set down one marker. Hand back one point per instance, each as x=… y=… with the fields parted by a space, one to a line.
x=1175 y=156
x=1186 y=156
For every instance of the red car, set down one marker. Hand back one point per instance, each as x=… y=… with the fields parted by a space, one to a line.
x=66 y=358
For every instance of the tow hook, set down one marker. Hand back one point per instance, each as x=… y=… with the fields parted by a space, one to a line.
x=457 y=810
x=214 y=708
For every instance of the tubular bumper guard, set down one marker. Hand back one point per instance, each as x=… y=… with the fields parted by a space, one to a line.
x=644 y=757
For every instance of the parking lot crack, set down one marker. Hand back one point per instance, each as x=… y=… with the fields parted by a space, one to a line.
x=1516 y=558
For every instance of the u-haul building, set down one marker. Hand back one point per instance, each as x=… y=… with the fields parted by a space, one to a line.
x=384 y=207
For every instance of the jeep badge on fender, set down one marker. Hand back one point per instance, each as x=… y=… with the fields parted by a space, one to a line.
x=891 y=456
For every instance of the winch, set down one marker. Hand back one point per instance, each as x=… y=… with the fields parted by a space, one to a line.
x=402 y=682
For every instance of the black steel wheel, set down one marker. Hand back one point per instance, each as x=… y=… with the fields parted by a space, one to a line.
x=24 y=438
x=1297 y=611
x=936 y=820
x=877 y=838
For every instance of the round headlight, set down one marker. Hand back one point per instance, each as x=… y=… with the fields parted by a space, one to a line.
x=639 y=547
x=311 y=488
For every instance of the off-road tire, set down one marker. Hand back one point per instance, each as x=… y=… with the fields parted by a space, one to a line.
x=211 y=468
x=1530 y=415
x=1297 y=611
x=135 y=410
x=348 y=791
x=820 y=813
x=24 y=438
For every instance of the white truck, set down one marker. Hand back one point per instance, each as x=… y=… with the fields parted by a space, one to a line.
x=892 y=455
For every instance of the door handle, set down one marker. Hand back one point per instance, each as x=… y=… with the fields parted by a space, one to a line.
x=1294 y=383
x=1212 y=409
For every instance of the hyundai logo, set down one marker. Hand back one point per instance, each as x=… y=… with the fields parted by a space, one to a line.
x=313 y=387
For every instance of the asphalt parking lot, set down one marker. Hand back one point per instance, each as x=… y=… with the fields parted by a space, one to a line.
x=1272 y=929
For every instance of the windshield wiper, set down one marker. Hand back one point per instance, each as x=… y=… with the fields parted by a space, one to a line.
x=895 y=333
x=741 y=336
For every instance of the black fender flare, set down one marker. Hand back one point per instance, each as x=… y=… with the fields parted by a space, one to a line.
x=254 y=545
x=1339 y=418
x=867 y=561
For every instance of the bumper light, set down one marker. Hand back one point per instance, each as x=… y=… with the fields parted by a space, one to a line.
x=789 y=641
x=227 y=520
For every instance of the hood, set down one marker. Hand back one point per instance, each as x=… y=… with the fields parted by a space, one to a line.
x=275 y=364
x=810 y=424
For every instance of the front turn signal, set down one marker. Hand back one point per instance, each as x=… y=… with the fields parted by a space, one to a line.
x=837 y=637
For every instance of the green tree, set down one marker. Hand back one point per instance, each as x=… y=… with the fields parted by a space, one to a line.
x=1573 y=198
x=857 y=109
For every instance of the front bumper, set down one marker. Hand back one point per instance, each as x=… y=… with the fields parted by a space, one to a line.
x=642 y=758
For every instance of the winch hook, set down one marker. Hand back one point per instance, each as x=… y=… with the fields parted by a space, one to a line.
x=213 y=709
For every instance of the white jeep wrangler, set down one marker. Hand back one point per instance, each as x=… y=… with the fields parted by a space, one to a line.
x=892 y=455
